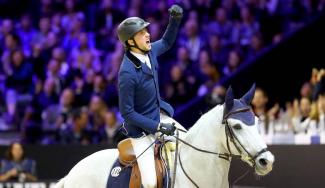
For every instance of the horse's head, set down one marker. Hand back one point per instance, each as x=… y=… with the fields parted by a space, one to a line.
x=242 y=136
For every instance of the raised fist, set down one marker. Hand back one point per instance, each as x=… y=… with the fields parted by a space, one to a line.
x=176 y=11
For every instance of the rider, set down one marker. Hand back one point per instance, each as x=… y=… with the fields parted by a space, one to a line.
x=139 y=99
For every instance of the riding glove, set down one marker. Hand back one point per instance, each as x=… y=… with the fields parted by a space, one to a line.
x=176 y=11
x=167 y=128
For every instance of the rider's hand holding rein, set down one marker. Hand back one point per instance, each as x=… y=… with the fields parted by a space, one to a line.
x=167 y=128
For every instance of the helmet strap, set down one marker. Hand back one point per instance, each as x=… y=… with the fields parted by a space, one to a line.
x=137 y=47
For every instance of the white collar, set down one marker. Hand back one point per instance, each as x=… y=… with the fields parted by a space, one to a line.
x=144 y=58
x=141 y=57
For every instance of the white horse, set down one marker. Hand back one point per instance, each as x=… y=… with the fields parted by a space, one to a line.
x=204 y=156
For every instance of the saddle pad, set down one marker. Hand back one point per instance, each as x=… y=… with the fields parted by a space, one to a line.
x=119 y=178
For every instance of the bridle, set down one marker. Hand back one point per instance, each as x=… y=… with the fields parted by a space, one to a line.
x=230 y=135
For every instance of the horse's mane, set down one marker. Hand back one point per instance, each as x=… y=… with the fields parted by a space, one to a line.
x=202 y=124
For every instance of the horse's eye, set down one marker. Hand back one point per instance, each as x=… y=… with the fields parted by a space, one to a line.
x=237 y=127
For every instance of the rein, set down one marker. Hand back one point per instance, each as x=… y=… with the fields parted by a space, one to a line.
x=225 y=156
x=135 y=160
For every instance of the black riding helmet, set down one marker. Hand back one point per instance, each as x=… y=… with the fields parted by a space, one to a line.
x=128 y=28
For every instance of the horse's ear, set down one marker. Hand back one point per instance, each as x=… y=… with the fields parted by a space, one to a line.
x=248 y=97
x=229 y=100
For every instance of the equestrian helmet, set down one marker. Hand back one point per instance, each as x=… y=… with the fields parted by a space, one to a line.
x=129 y=27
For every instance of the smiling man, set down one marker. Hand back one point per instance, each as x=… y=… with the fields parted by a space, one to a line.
x=139 y=99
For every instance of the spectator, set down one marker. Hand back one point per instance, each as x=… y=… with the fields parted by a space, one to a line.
x=44 y=29
x=234 y=60
x=210 y=72
x=221 y=26
x=39 y=59
x=280 y=120
x=26 y=32
x=255 y=47
x=7 y=27
x=321 y=112
x=106 y=18
x=97 y=111
x=155 y=31
x=259 y=103
x=76 y=132
x=18 y=83
x=178 y=90
x=55 y=116
x=192 y=40
x=216 y=97
x=16 y=167
x=52 y=41
x=20 y=76
x=110 y=70
x=318 y=82
x=244 y=30
x=56 y=23
x=302 y=122
x=188 y=67
x=184 y=61
x=84 y=56
x=83 y=91
x=110 y=134
x=306 y=90
x=64 y=67
x=11 y=43
x=43 y=99
x=53 y=72
x=70 y=39
x=219 y=53
x=72 y=17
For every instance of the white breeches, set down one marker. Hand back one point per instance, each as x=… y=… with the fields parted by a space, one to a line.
x=146 y=161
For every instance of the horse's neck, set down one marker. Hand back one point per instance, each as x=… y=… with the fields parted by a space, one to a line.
x=206 y=170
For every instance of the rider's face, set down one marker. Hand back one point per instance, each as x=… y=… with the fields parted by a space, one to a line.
x=142 y=38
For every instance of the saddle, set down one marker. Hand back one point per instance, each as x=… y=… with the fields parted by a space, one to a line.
x=127 y=156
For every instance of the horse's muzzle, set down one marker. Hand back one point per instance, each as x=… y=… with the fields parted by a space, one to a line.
x=264 y=163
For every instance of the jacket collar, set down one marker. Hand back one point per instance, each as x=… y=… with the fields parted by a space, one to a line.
x=134 y=60
x=138 y=64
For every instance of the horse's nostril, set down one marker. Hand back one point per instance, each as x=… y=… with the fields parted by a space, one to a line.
x=263 y=162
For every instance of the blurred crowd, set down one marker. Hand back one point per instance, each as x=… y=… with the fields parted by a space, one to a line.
x=60 y=58
x=301 y=121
